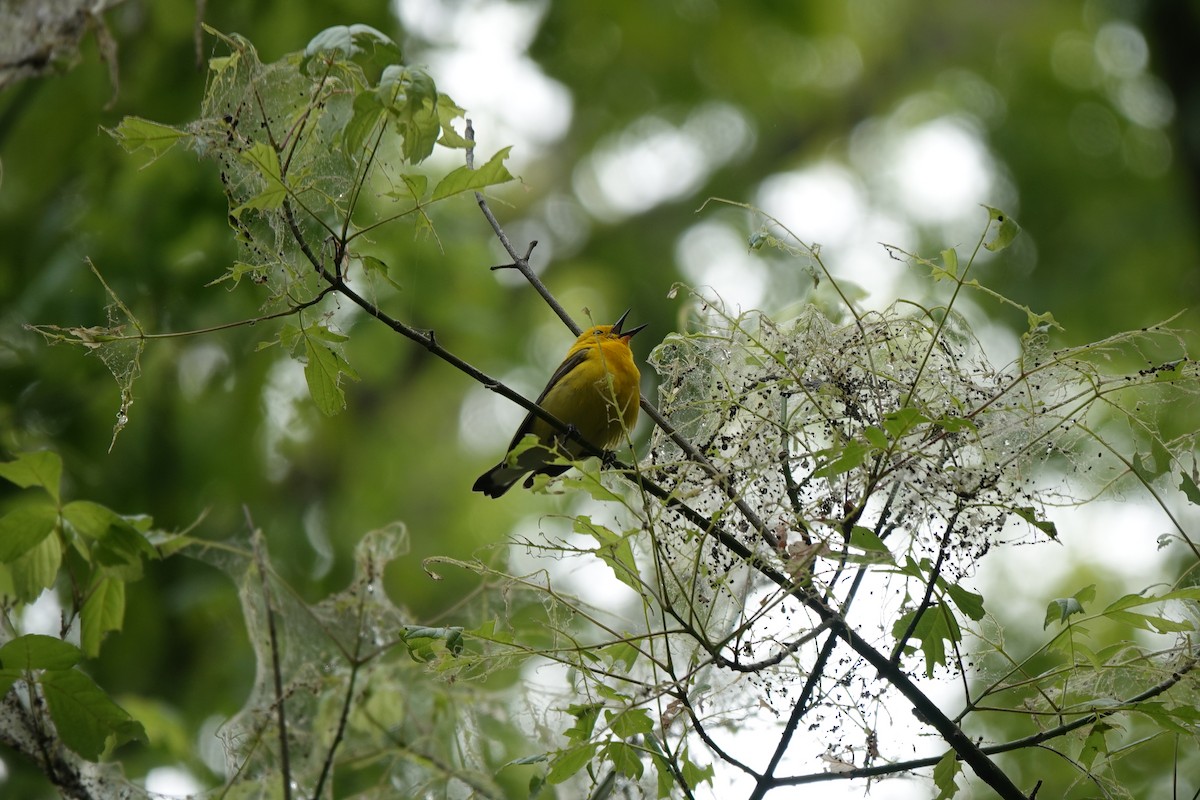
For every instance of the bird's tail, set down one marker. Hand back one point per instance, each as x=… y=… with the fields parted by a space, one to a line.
x=498 y=480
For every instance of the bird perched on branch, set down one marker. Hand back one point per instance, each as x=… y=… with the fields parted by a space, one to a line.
x=594 y=391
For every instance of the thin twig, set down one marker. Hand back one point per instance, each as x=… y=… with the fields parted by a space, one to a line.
x=343 y=719
x=803 y=702
x=285 y=771
x=519 y=262
x=766 y=781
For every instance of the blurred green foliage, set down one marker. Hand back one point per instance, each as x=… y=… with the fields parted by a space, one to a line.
x=1103 y=195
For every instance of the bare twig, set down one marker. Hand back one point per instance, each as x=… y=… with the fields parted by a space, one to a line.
x=519 y=262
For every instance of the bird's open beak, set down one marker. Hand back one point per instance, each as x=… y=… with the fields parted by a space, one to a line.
x=626 y=335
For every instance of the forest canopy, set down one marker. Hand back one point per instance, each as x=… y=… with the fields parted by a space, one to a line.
x=912 y=492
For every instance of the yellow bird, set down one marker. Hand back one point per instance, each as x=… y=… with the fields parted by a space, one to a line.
x=595 y=390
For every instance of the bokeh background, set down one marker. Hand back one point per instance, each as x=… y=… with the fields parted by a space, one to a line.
x=854 y=123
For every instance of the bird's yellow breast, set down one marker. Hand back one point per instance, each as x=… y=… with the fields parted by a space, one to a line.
x=599 y=397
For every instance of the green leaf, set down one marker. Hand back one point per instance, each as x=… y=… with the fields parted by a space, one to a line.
x=666 y=777
x=967 y=601
x=24 y=528
x=85 y=716
x=568 y=762
x=1170 y=372
x=615 y=550
x=323 y=370
x=411 y=98
x=622 y=653
x=1135 y=600
x=878 y=439
x=631 y=722
x=694 y=774
x=327 y=334
x=37 y=569
x=40 y=468
x=1094 y=744
x=933 y=628
x=944 y=774
x=898 y=423
x=1187 y=485
x=1178 y=719
x=1007 y=230
x=422 y=642
x=90 y=519
x=103 y=611
x=416 y=184
x=866 y=539
x=219 y=64
x=1146 y=473
x=365 y=45
x=874 y=551
x=625 y=758
x=604 y=690
x=1029 y=514
x=448 y=111
x=585 y=721
x=38 y=651
x=1149 y=622
x=290 y=337
x=237 y=271
x=950 y=263
x=135 y=133
x=1040 y=322
x=1062 y=608
x=263 y=157
x=588 y=479
x=468 y=180
x=96 y=521
x=368 y=111
x=374 y=266
x=120 y=547
x=955 y=424
x=1191 y=593
x=540 y=758
x=840 y=460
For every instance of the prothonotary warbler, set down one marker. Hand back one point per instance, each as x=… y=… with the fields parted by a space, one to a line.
x=595 y=390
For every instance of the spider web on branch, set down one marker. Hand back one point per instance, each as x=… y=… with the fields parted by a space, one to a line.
x=883 y=447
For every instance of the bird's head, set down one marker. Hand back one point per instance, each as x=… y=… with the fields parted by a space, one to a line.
x=615 y=328
x=600 y=333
